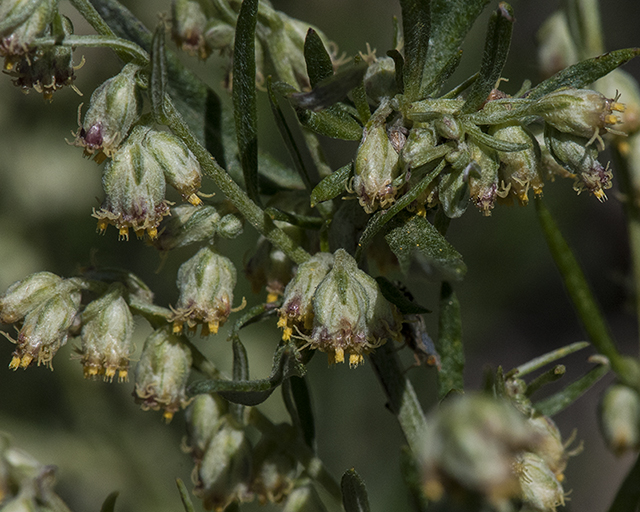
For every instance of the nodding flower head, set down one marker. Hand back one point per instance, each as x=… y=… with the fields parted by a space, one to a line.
x=188 y=25
x=15 y=40
x=620 y=418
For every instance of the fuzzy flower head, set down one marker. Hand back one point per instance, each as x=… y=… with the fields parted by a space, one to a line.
x=187 y=29
x=541 y=489
x=350 y=314
x=113 y=108
x=134 y=187
x=162 y=372
x=25 y=295
x=206 y=283
x=16 y=40
x=106 y=336
x=620 y=418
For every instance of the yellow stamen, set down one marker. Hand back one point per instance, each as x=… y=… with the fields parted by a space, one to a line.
x=286 y=334
x=618 y=107
x=102 y=226
x=123 y=376
x=15 y=363
x=123 y=233
x=214 y=326
x=611 y=119
x=194 y=200
x=177 y=327
x=355 y=360
x=168 y=416
x=339 y=355
x=153 y=233
x=109 y=374
x=26 y=360
x=272 y=297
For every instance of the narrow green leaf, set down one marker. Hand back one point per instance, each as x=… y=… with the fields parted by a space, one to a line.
x=158 y=82
x=563 y=399
x=496 y=51
x=583 y=301
x=354 y=492
x=449 y=343
x=433 y=86
x=381 y=218
x=109 y=503
x=244 y=95
x=416 y=29
x=359 y=96
x=583 y=73
x=254 y=392
x=491 y=142
x=333 y=185
x=184 y=496
x=548 y=358
x=303 y=221
x=451 y=20
x=240 y=372
x=547 y=377
x=331 y=89
x=332 y=122
x=628 y=496
x=415 y=233
x=213 y=132
x=287 y=136
x=398 y=61
x=412 y=477
x=318 y=60
x=397 y=297
x=304 y=407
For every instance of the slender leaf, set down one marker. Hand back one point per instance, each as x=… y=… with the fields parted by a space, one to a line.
x=285 y=365
x=331 y=89
x=416 y=28
x=493 y=143
x=109 y=504
x=547 y=377
x=359 y=96
x=354 y=492
x=549 y=358
x=398 y=61
x=628 y=496
x=158 y=82
x=184 y=496
x=332 y=122
x=563 y=399
x=304 y=407
x=415 y=233
x=333 y=185
x=240 y=372
x=412 y=476
x=496 y=51
x=451 y=20
x=244 y=95
x=433 y=86
x=584 y=73
x=398 y=298
x=449 y=343
x=318 y=60
x=303 y=221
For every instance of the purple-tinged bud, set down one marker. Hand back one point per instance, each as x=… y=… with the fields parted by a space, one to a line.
x=580 y=112
x=350 y=314
x=223 y=475
x=113 y=109
x=470 y=445
x=46 y=328
x=206 y=283
x=556 y=49
x=162 y=372
x=297 y=308
x=519 y=170
x=134 y=187
x=620 y=419
x=626 y=87
x=580 y=158
x=483 y=178
x=181 y=168
x=377 y=165
x=304 y=498
x=541 y=490
x=25 y=295
x=31 y=22
x=188 y=25
x=107 y=329
x=274 y=468
x=204 y=417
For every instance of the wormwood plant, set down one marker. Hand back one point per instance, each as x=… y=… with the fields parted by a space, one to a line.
x=329 y=240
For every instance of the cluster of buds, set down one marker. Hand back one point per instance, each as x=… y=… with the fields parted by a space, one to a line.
x=162 y=372
x=25 y=483
x=221 y=452
x=45 y=308
x=206 y=282
x=135 y=179
x=337 y=308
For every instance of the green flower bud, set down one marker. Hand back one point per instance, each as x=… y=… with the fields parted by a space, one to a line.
x=223 y=476
x=219 y=35
x=449 y=127
x=556 y=49
x=519 y=170
x=203 y=417
x=578 y=157
x=380 y=80
x=620 y=419
x=297 y=308
x=376 y=166
x=113 y=108
x=470 y=446
x=304 y=498
x=417 y=148
x=483 y=178
x=25 y=295
x=181 y=169
x=134 y=187
x=541 y=490
x=187 y=225
x=187 y=28
x=271 y=268
x=580 y=112
x=274 y=468
x=16 y=41
x=46 y=328
x=162 y=372
x=206 y=283
x=107 y=328
x=350 y=314
x=550 y=447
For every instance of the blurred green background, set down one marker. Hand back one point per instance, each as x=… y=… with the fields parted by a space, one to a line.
x=513 y=304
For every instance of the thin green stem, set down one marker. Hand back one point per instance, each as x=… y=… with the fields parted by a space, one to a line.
x=119 y=45
x=92 y=16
